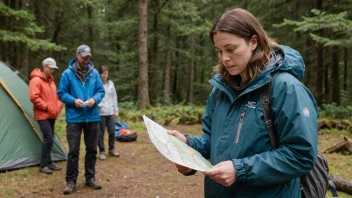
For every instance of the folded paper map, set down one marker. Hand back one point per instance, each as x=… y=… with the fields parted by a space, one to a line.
x=174 y=149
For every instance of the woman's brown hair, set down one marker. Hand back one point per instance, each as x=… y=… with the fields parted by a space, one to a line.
x=242 y=23
x=102 y=69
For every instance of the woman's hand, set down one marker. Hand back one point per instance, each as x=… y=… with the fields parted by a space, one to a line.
x=223 y=173
x=178 y=135
x=116 y=114
x=182 y=169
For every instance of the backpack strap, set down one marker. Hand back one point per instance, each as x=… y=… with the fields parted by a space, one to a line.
x=265 y=101
x=218 y=95
x=332 y=188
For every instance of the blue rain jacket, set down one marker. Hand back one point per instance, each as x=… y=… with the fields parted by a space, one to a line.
x=71 y=88
x=234 y=129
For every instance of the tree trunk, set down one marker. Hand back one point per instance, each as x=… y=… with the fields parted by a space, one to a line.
x=191 y=73
x=167 y=68
x=335 y=76
x=22 y=55
x=201 y=52
x=90 y=26
x=308 y=73
x=143 y=96
x=326 y=83
x=2 y=43
x=343 y=185
x=345 y=58
x=58 y=22
x=154 y=73
x=319 y=63
x=175 y=81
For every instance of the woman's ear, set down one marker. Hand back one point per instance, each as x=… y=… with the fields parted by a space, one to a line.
x=254 y=42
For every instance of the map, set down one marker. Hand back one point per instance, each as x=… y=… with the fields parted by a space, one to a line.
x=174 y=149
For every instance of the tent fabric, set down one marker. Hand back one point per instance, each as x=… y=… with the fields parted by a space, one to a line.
x=20 y=135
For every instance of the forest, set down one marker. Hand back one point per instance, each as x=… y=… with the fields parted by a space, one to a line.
x=160 y=59
x=172 y=61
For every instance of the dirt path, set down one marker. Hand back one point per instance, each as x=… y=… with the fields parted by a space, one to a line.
x=140 y=171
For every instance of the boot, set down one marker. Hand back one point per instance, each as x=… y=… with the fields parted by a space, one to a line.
x=70 y=188
x=46 y=170
x=113 y=153
x=93 y=184
x=53 y=166
x=102 y=155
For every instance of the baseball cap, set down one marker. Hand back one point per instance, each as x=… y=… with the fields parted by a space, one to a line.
x=84 y=50
x=50 y=62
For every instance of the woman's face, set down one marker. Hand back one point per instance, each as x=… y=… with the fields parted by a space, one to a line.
x=234 y=53
x=104 y=76
x=47 y=70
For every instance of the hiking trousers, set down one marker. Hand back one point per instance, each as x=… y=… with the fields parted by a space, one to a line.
x=47 y=128
x=109 y=122
x=73 y=134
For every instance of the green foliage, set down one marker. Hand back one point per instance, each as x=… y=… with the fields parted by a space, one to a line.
x=111 y=29
x=345 y=98
x=33 y=44
x=17 y=14
x=335 y=131
x=335 y=112
x=128 y=106
x=23 y=29
x=337 y=23
x=165 y=114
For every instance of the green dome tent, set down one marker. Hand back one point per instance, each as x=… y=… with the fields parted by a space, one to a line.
x=20 y=135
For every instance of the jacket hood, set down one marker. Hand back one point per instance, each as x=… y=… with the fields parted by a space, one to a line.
x=284 y=60
x=38 y=73
x=72 y=64
x=292 y=63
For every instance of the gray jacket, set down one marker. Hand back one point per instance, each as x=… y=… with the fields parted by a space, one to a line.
x=108 y=105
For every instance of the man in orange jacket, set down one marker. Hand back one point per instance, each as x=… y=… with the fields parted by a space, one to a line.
x=46 y=106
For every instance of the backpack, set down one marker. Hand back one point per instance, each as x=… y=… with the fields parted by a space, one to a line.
x=315 y=183
x=123 y=133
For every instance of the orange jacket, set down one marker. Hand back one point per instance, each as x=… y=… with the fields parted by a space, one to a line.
x=42 y=93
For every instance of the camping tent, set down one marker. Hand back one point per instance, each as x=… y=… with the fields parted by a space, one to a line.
x=20 y=135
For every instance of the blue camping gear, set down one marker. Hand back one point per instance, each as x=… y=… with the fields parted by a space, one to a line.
x=123 y=133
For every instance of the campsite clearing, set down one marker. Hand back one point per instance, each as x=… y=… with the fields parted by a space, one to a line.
x=140 y=172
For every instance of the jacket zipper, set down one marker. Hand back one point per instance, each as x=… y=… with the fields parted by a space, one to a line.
x=240 y=125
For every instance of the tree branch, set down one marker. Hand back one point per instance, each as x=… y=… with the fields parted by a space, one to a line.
x=161 y=7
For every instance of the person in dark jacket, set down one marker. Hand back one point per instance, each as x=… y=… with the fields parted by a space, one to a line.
x=46 y=107
x=81 y=90
x=235 y=137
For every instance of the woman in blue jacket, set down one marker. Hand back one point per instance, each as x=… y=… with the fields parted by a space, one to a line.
x=235 y=137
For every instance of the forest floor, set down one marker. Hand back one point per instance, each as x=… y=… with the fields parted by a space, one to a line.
x=140 y=172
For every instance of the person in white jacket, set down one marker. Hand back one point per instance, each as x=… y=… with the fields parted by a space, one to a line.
x=109 y=111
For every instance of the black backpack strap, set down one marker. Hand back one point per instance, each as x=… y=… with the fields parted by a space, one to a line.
x=265 y=101
x=218 y=95
x=332 y=187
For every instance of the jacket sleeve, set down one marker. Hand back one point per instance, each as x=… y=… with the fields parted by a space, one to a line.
x=34 y=94
x=115 y=99
x=63 y=90
x=100 y=91
x=296 y=127
x=202 y=143
x=59 y=106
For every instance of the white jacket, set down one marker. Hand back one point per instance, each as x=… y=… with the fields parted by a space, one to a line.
x=108 y=105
